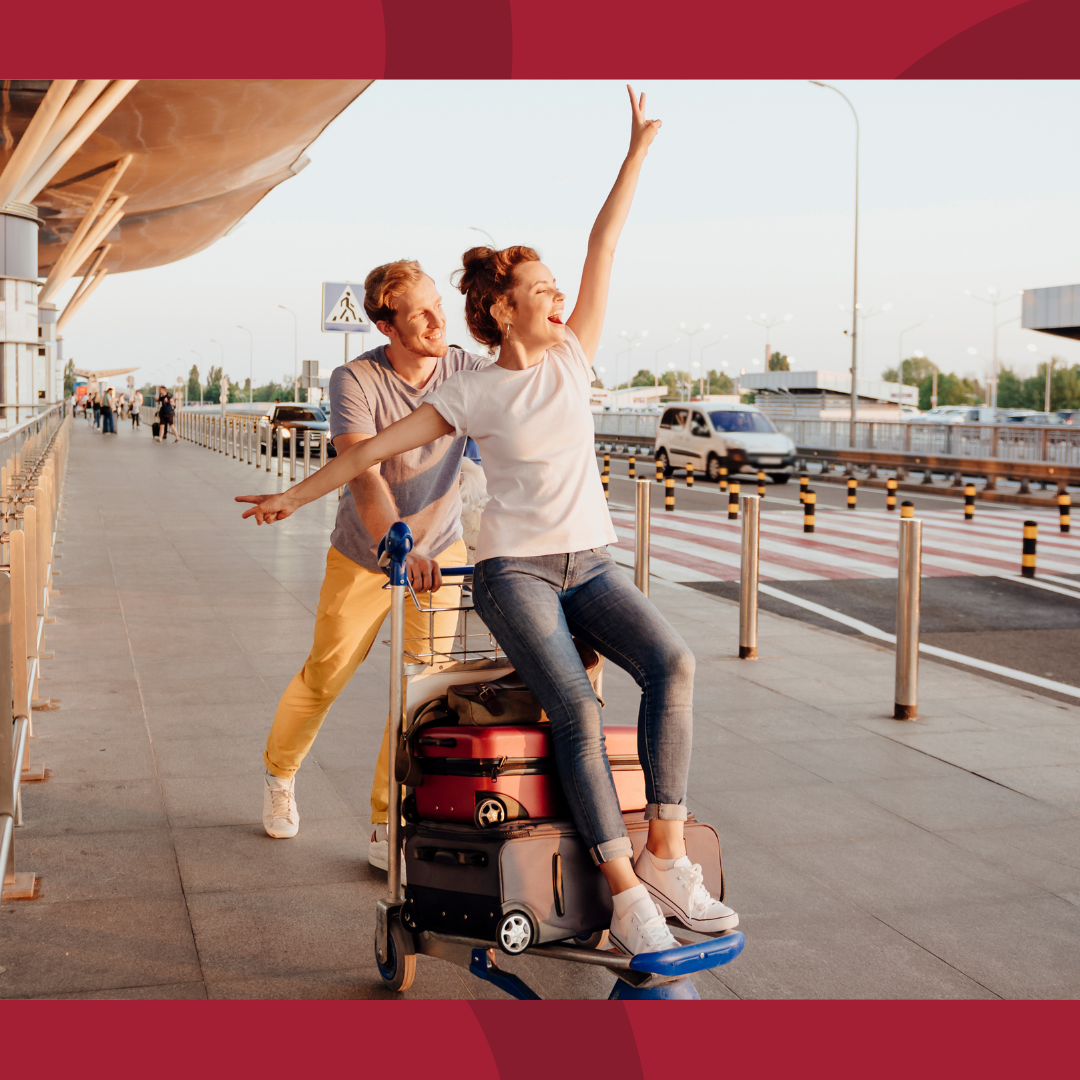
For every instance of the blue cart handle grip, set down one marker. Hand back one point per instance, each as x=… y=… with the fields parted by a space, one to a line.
x=394 y=549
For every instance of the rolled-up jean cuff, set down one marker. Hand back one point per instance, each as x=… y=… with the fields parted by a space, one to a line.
x=665 y=812
x=618 y=848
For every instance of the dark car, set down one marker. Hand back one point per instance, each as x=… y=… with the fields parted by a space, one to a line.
x=292 y=420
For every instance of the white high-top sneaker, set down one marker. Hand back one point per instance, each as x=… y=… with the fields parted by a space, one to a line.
x=281 y=819
x=378 y=852
x=680 y=892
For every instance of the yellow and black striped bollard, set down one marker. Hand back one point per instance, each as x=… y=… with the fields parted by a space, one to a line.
x=659 y=470
x=907 y=509
x=809 y=502
x=890 y=494
x=1027 y=559
x=969 y=502
x=852 y=492
x=723 y=479
x=669 y=494
x=761 y=485
x=689 y=475
x=733 y=501
x=604 y=481
x=1064 y=502
x=607 y=464
x=804 y=487
x=633 y=461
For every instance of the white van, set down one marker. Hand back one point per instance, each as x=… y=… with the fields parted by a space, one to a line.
x=740 y=437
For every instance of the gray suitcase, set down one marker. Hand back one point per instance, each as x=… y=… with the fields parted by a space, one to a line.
x=523 y=883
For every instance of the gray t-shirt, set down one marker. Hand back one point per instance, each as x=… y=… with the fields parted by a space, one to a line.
x=367 y=395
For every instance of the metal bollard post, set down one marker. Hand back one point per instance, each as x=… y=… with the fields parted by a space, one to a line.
x=761 y=485
x=1064 y=502
x=633 y=461
x=733 y=501
x=235 y=425
x=690 y=476
x=642 y=540
x=1027 y=558
x=907 y=509
x=659 y=471
x=723 y=479
x=280 y=452
x=266 y=449
x=607 y=463
x=748 y=577
x=908 y=598
x=852 y=492
x=804 y=487
x=292 y=456
x=969 y=502
x=890 y=494
x=307 y=453
x=604 y=482
x=809 y=504
x=669 y=494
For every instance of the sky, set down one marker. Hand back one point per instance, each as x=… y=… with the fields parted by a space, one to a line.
x=745 y=207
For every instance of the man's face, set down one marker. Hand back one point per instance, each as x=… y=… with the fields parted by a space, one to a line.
x=419 y=323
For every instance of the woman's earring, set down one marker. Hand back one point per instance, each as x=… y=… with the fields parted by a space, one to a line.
x=507 y=331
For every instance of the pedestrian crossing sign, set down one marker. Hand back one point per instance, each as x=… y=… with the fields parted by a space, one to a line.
x=343 y=309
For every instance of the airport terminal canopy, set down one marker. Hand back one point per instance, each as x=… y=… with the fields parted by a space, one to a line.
x=830 y=383
x=1055 y=310
x=203 y=153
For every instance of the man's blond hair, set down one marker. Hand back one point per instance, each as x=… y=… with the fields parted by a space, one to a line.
x=385 y=284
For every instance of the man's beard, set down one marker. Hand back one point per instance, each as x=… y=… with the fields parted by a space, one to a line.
x=422 y=347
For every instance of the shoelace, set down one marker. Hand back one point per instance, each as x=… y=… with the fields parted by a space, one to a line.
x=700 y=899
x=276 y=809
x=655 y=931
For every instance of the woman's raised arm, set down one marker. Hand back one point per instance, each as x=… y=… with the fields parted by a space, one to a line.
x=587 y=320
x=417 y=429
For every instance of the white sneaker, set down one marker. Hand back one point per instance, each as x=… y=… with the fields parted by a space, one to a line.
x=642 y=929
x=681 y=893
x=378 y=852
x=281 y=819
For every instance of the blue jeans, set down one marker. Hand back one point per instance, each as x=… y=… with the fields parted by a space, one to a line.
x=533 y=606
x=108 y=426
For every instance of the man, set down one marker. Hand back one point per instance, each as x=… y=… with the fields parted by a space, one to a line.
x=108 y=412
x=136 y=407
x=421 y=488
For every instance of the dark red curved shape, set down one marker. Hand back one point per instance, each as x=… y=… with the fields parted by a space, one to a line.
x=433 y=39
x=545 y=1040
x=1035 y=40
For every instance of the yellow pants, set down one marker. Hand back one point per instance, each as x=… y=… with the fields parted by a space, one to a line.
x=352 y=607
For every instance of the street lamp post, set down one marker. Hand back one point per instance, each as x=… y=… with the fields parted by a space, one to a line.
x=251 y=362
x=296 y=353
x=855 y=275
x=631 y=341
x=1049 y=375
x=199 y=355
x=656 y=359
x=900 y=344
x=690 y=335
x=993 y=301
x=701 y=357
x=768 y=323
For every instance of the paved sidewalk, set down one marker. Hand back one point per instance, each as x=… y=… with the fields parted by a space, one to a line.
x=866 y=857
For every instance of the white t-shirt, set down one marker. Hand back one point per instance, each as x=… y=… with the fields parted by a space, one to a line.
x=535 y=431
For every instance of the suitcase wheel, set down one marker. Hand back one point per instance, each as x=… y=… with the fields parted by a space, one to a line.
x=489 y=812
x=514 y=933
x=400 y=968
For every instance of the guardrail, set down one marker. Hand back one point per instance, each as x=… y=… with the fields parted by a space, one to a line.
x=34 y=456
x=247 y=439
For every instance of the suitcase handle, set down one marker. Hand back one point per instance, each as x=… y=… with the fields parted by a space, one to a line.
x=452 y=856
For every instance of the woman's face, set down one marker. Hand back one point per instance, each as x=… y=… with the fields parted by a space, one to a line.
x=536 y=317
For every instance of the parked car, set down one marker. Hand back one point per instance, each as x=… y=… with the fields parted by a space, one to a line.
x=739 y=437
x=1041 y=418
x=292 y=419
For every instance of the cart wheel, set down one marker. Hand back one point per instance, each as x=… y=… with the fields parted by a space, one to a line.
x=489 y=813
x=514 y=932
x=400 y=968
x=597 y=940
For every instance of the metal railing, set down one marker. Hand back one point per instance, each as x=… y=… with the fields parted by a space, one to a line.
x=1042 y=443
x=34 y=456
x=252 y=440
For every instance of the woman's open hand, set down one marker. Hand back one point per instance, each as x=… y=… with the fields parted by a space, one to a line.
x=268 y=508
x=642 y=131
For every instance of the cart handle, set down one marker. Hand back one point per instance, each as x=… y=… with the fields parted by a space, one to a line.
x=394 y=549
x=455 y=571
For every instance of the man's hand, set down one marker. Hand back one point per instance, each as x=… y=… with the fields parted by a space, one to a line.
x=424 y=574
x=268 y=508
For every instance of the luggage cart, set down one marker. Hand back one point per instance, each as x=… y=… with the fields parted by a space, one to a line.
x=430 y=666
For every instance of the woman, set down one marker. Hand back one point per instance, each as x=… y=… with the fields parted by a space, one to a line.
x=542 y=571
x=165 y=412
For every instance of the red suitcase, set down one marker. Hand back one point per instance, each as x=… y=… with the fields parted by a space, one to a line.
x=486 y=776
